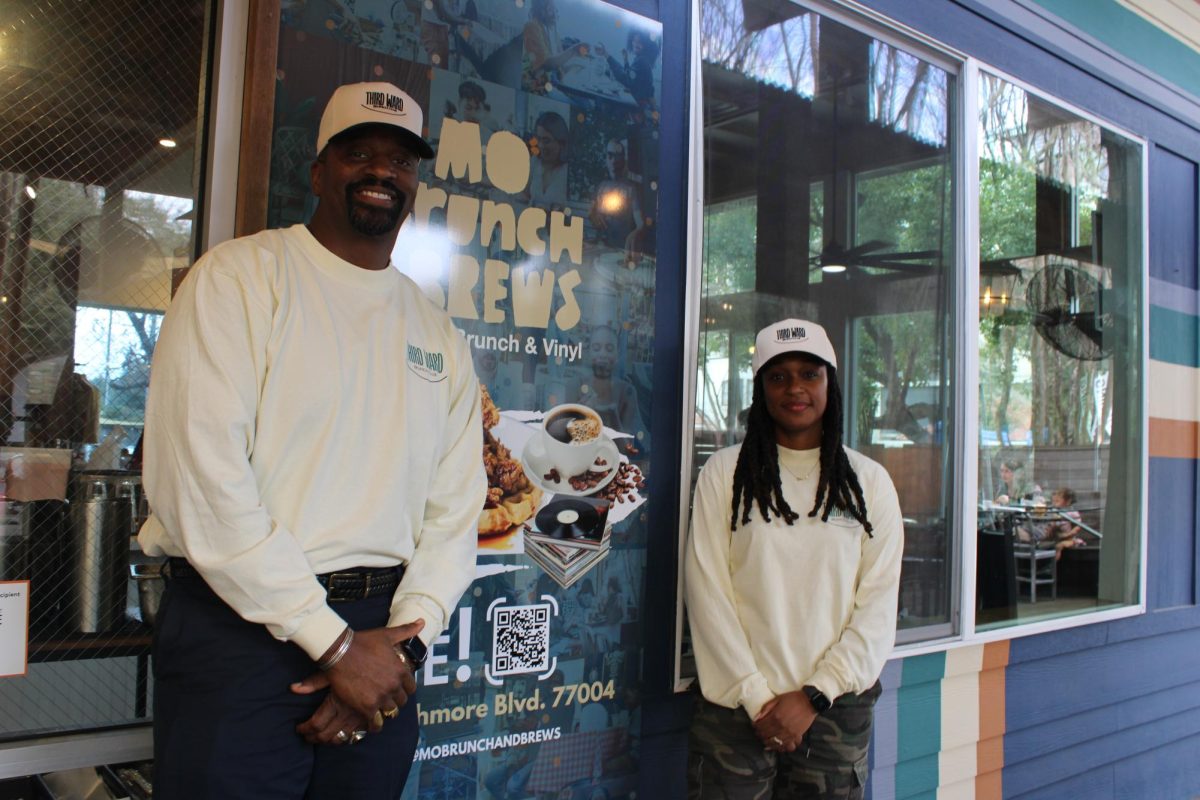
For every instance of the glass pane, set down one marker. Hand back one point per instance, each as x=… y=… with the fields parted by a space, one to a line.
x=98 y=124
x=1060 y=207
x=829 y=195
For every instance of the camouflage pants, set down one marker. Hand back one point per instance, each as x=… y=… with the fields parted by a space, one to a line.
x=726 y=760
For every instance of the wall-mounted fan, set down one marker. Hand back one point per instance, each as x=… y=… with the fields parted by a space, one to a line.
x=1068 y=311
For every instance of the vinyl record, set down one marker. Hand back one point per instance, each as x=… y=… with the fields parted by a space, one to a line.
x=571 y=518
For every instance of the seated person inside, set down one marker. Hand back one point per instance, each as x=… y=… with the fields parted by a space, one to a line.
x=1013 y=487
x=1061 y=529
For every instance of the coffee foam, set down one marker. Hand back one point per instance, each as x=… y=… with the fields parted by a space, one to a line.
x=584 y=431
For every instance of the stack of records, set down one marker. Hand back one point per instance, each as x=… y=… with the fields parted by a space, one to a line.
x=571 y=536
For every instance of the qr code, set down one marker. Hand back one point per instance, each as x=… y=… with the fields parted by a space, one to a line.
x=521 y=639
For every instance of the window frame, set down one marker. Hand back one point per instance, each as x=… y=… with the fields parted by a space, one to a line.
x=961 y=630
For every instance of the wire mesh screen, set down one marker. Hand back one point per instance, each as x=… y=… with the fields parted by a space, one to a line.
x=98 y=124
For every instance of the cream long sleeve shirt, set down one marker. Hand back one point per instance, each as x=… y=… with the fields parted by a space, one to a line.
x=774 y=607
x=306 y=415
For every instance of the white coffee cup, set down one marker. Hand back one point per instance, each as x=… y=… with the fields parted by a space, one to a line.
x=572 y=435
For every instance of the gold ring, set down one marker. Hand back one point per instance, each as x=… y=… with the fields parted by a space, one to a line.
x=392 y=712
x=342 y=737
x=357 y=737
x=378 y=719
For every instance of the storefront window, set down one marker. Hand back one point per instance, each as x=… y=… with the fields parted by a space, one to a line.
x=1060 y=366
x=830 y=196
x=98 y=166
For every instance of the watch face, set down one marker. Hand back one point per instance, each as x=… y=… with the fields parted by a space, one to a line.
x=818 y=699
x=415 y=650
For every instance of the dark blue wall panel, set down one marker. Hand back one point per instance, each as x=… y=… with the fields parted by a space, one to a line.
x=1171 y=576
x=1096 y=722
x=1173 y=216
x=1169 y=770
x=1095 y=677
x=1091 y=785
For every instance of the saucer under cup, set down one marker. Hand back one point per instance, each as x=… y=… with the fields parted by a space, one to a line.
x=538 y=464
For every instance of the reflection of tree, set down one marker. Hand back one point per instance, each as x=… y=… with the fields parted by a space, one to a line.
x=712 y=404
x=128 y=400
x=1065 y=409
x=908 y=94
x=1031 y=151
x=729 y=247
x=997 y=348
x=1066 y=401
x=898 y=353
x=124 y=376
x=781 y=53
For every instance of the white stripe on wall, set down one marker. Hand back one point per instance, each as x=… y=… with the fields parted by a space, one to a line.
x=1174 y=391
x=957 y=760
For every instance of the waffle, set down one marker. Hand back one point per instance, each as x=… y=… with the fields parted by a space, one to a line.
x=511 y=498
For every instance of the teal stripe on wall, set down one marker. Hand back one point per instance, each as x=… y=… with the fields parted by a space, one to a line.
x=919 y=732
x=1132 y=36
x=1174 y=337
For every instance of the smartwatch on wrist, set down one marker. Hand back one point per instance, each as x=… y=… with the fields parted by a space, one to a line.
x=414 y=650
x=819 y=701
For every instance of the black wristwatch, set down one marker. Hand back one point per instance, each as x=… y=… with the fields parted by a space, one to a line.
x=414 y=650
x=819 y=701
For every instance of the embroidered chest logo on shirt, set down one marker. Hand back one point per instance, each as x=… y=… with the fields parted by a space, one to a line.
x=426 y=364
x=842 y=518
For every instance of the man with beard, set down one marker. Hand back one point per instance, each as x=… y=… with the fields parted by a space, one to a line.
x=312 y=457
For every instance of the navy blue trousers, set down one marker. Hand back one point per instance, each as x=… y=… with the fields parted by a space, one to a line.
x=225 y=718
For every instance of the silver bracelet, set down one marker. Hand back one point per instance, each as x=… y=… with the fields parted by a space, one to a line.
x=338 y=654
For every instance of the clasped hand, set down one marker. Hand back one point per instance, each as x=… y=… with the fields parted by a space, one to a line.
x=783 y=721
x=366 y=686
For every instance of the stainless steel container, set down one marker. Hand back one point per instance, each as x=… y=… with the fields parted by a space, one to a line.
x=101 y=522
x=150 y=585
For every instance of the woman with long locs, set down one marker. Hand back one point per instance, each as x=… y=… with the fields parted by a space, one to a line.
x=792 y=572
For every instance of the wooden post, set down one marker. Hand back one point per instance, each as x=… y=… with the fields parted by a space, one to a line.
x=258 y=113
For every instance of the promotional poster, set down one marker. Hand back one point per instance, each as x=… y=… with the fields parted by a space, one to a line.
x=534 y=228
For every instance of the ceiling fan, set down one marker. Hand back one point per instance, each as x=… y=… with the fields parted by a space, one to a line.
x=835 y=258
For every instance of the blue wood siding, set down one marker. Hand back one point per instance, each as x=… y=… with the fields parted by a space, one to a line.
x=1171 y=579
x=1173 y=214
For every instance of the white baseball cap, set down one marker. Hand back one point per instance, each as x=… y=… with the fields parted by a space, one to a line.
x=378 y=103
x=792 y=336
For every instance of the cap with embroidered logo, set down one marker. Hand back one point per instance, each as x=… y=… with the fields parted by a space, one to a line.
x=792 y=336
x=377 y=103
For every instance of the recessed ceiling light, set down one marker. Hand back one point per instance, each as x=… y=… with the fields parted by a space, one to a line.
x=167 y=142
x=833 y=269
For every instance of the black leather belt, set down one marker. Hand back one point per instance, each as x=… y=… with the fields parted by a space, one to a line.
x=340 y=587
x=361 y=583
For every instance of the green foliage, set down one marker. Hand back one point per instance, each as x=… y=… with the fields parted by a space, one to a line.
x=730 y=240
x=1007 y=194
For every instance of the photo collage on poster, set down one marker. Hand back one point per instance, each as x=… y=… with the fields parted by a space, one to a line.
x=534 y=227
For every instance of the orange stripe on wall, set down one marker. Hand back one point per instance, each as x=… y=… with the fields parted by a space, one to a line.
x=989 y=755
x=1174 y=438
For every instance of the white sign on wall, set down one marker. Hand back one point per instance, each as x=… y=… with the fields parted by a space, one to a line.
x=14 y=628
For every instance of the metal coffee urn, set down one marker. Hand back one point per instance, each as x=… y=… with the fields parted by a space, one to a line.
x=101 y=521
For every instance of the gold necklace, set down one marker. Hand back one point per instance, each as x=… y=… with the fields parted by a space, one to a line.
x=806 y=475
